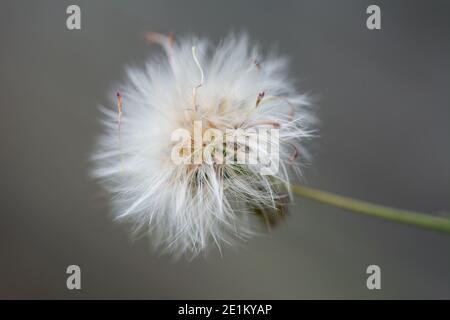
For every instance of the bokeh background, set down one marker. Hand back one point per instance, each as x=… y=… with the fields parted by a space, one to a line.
x=383 y=99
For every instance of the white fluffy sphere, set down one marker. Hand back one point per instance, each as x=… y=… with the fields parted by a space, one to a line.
x=231 y=86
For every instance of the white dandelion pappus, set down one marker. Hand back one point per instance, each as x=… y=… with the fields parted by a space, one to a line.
x=186 y=207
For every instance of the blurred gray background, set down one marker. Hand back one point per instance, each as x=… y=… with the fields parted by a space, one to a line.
x=383 y=98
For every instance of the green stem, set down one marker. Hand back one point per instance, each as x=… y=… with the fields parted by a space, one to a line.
x=397 y=215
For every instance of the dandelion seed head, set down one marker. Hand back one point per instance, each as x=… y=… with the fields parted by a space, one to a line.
x=186 y=207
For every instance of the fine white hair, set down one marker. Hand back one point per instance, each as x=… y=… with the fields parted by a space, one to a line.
x=187 y=207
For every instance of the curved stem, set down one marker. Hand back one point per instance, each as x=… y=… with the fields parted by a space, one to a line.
x=397 y=215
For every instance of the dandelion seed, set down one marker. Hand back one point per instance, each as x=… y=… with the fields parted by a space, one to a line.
x=194 y=55
x=260 y=97
x=119 y=124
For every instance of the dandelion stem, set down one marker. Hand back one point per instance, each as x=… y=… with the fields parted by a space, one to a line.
x=416 y=219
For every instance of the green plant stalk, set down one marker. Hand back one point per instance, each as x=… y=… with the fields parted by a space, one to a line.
x=416 y=219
